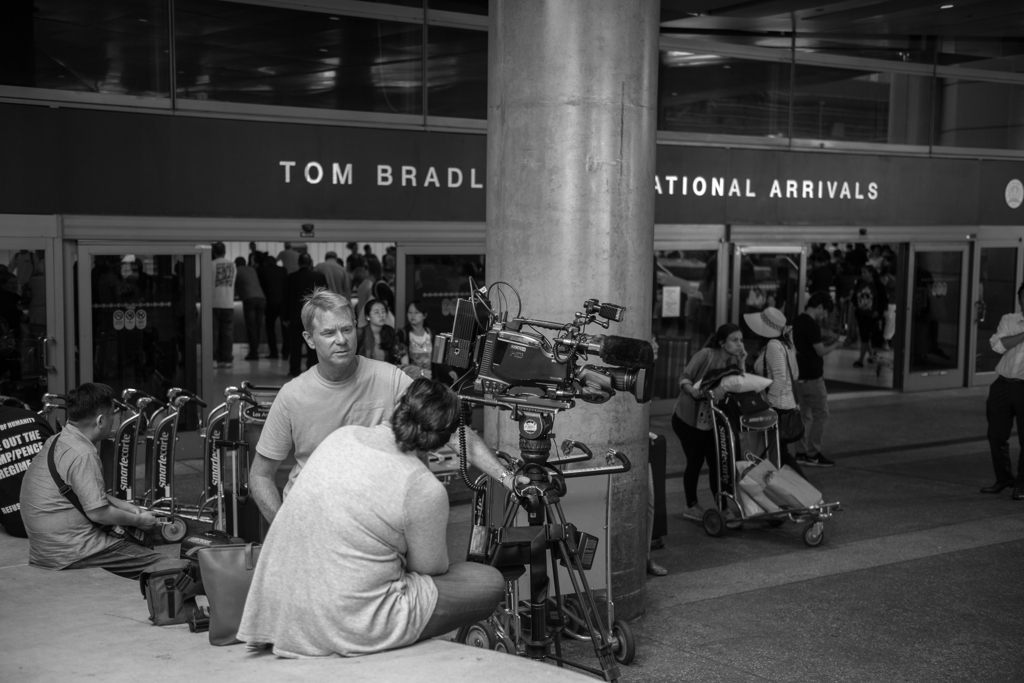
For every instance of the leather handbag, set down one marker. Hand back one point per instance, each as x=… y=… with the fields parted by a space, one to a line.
x=227 y=572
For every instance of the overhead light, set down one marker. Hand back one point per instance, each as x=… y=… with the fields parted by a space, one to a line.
x=946 y=7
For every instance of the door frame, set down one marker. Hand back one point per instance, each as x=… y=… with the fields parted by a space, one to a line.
x=53 y=346
x=762 y=248
x=666 y=406
x=43 y=232
x=88 y=249
x=947 y=379
x=428 y=249
x=974 y=378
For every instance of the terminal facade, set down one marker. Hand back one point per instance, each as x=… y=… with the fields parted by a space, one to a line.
x=137 y=132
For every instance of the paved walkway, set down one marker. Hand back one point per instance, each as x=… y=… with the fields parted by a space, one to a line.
x=918 y=580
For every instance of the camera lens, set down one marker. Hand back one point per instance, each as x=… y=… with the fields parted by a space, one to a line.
x=635 y=381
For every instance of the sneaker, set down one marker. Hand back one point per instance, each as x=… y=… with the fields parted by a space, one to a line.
x=694 y=512
x=818 y=460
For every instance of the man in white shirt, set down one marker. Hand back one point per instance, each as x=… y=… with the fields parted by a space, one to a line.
x=1006 y=402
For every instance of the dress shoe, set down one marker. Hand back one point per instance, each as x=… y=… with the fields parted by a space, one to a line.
x=658 y=543
x=655 y=569
x=997 y=487
x=1018 y=493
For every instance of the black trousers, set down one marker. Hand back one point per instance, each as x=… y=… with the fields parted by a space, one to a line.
x=298 y=349
x=273 y=313
x=699 y=448
x=1005 y=403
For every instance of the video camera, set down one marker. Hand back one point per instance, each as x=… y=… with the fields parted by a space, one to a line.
x=512 y=364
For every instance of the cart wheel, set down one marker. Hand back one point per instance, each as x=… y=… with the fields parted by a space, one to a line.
x=625 y=646
x=574 y=621
x=714 y=522
x=481 y=634
x=505 y=645
x=174 y=531
x=814 y=534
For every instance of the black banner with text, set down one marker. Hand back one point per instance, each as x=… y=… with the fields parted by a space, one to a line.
x=75 y=161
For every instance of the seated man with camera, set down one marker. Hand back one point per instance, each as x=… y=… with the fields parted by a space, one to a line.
x=342 y=389
x=357 y=560
x=60 y=535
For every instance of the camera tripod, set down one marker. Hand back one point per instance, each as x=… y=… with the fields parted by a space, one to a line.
x=512 y=549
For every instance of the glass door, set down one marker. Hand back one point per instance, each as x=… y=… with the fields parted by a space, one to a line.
x=997 y=274
x=767 y=276
x=144 y=322
x=935 y=353
x=436 y=276
x=31 y=331
x=689 y=305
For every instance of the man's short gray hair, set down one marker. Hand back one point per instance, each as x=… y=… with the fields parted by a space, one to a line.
x=321 y=300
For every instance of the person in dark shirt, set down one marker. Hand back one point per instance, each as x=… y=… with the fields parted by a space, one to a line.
x=810 y=388
x=297 y=286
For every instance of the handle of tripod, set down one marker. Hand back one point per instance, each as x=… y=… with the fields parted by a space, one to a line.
x=624 y=465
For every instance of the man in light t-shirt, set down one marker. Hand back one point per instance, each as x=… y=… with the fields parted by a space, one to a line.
x=341 y=389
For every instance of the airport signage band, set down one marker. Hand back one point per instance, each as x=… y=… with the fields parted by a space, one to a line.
x=89 y=162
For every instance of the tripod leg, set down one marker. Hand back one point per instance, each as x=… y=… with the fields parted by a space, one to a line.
x=599 y=634
x=558 y=607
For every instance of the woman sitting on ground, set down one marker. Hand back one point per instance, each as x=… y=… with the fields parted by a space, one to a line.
x=356 y=561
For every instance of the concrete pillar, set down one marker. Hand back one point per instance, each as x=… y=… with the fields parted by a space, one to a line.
x=570 y=209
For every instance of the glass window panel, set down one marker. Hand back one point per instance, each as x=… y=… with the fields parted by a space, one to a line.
x=845 y=104
x=713 y=94
x=975 y=114
x=996 y=295
x=684 y=312
x=457 y=72
x=145 y=322
x=894 y=48
x=437 y=281
x=267 y=55
x=115 y=46
x=935 y=312
x=23 y=325
x=478 y=7
x=990 y=54
x=767 y=280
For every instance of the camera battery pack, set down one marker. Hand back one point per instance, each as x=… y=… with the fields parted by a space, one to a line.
x=479 y=541
x=585 y=549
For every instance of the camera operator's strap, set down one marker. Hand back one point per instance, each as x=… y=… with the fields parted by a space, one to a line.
x=62 y=486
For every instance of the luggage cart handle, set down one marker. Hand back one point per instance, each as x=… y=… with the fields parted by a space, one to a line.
x=624 y=465
x=246 y=386
x=174 y=394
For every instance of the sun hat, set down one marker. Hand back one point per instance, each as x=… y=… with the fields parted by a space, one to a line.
x=767 y=323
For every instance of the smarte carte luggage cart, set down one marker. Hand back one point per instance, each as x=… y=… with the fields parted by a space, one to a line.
x=242 y=517
x=737 y=433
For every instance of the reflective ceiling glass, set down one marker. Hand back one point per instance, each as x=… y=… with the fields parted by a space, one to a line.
x=267 y=55
x=457 y=72
x=102 y=46
x=702 y=93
